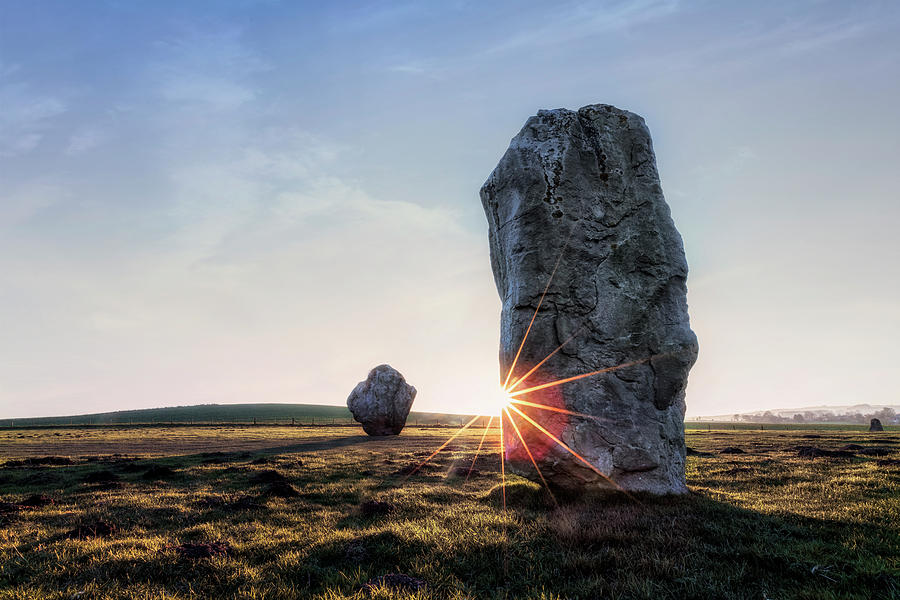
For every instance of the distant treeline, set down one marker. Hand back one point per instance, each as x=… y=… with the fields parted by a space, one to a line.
x=259 y=414
x=757 y=426
x=885 y=415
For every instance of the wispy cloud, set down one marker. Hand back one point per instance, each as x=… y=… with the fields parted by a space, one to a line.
x=419 y=68
x=26 y=114
x=564 y=23
x=414 y=67
x=378 y=15
x=85 y=139
x=23 y=202
x=210 y=69
x=762 y=42
x=267 y=264
x=574 y=21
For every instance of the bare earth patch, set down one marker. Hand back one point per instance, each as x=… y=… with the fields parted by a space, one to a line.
x=91 y=530
x=200 y=550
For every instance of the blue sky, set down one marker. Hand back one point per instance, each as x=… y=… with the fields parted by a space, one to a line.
x=259 y=201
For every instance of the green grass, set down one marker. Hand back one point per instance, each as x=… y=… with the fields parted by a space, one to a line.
x=764 y=524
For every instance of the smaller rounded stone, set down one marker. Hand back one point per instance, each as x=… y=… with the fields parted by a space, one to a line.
x=381 y=403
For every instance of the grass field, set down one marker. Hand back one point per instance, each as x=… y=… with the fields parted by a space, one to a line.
x=285 y=512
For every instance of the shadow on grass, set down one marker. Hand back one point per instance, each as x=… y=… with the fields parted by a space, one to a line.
x=328 y=444
x=604 y=546
x=26 y=479
x=459 y=540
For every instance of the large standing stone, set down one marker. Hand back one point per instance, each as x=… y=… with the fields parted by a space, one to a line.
x=382 y=402
x=583 y=186
x=875 y=425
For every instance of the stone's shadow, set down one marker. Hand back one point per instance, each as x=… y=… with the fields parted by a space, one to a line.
x=687 y=546
x=331 y=444
x=172 y=471
x=704 y=548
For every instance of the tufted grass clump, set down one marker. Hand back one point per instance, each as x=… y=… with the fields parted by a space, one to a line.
x=767 y=522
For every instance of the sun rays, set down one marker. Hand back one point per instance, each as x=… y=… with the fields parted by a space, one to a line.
x=444 y=445
x=527 y=449
x=537 y=309
x=550 y=384
x=509 y=403
x=480 y=444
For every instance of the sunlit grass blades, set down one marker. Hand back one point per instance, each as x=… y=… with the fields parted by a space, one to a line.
x=480 y=444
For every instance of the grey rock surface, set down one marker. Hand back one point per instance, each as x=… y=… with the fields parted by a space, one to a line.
x=581 y=188
x=875 y=425
x=382 y=402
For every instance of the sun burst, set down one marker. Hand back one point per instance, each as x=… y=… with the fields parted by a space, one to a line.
x=505 y=406
x=497 y=403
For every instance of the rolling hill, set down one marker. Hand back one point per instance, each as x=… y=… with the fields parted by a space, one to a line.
x=224 y=413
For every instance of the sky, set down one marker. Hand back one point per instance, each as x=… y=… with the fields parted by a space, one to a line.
x=241 y=201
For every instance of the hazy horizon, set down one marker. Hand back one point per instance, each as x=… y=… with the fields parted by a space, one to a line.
x=246 y=201
x=417 y=410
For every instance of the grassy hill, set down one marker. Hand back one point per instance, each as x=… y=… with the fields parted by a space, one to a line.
x=224 y=413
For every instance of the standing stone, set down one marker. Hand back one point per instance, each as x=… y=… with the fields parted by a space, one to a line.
x=875 y=425
x=382 y=402
x=582 y=187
